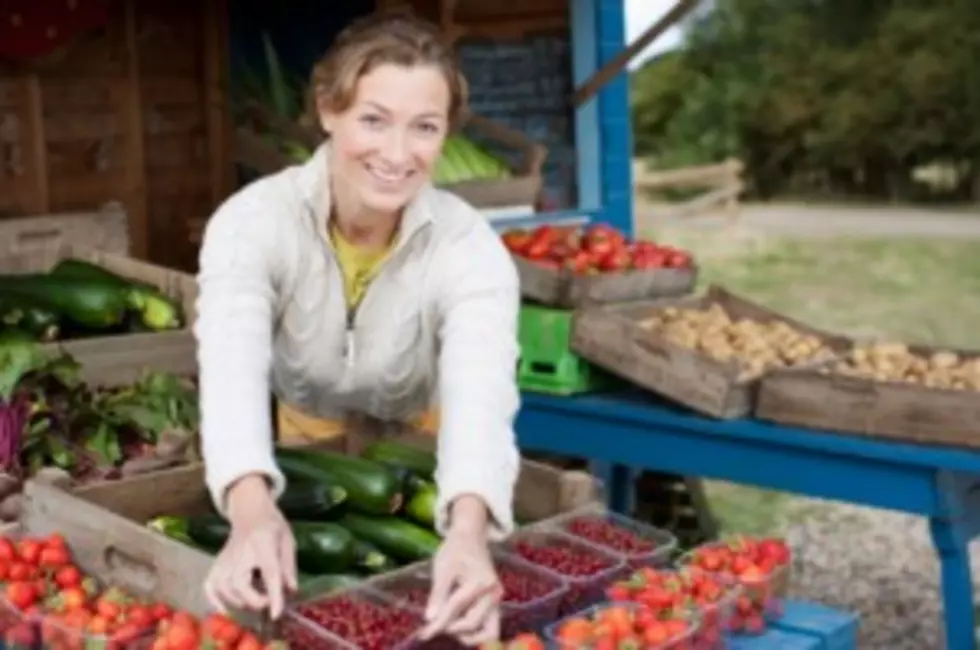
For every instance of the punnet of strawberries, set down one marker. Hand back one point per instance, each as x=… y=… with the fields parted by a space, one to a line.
x=595 y=249
x=639 y=544
x=760 y=566
x=531 y=596
x=48 y=602
x=713 y=598
x=622 y=627
x=587 y=569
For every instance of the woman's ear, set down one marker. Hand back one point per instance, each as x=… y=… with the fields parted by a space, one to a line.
x=327 y=117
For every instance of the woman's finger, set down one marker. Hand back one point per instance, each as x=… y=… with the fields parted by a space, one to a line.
x=287 y=560
x=473 y=620
x=442 y=584
x=271 y=573
x=488 y=633
x=242 y=585
x=458 y=602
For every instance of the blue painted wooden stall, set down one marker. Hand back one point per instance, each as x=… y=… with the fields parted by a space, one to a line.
x=640 y=431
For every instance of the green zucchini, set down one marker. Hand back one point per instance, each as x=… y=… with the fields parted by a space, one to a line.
x=371 y=488
x=309 y=501
x=314 y=585
x=321 y=547
x=421 y=508
x=173 y=527
x=41 y=322
x=395 y=537
x=157 y=311
x=89 y=303
x=370 y=559
x=80 y=269
x=397 y=454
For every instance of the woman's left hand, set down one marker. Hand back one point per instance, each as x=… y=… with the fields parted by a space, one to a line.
x=465 y=598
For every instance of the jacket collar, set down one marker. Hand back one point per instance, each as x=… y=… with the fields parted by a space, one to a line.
x=315 y=189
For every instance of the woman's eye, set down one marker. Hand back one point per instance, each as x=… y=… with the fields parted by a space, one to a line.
x=371 y=120
x=428 y=128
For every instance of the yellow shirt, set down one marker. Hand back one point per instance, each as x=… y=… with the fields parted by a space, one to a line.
x=359 y=267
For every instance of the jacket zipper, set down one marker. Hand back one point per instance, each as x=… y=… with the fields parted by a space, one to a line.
x=350 y=329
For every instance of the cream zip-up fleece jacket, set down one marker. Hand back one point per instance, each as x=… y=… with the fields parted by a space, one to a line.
x=438 y=326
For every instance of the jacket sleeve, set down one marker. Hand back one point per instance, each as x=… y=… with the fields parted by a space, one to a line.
x=235 y=308
x=479 y=298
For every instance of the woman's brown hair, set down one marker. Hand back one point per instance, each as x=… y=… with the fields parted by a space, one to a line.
x=394 y=37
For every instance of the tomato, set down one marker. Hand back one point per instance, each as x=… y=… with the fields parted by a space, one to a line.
x=575 y=630
x=182 y=637
x=160 y=611
x=108 y=608
x=579 y=263
x=55 y=541
x=99 y=625
x=516 y=241
x=139 y=615
x=20 y=571
x=221 y=628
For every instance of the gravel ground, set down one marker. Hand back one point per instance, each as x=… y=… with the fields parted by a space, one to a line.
x=876 y=563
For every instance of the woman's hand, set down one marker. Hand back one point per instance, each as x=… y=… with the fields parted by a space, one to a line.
x=260 y=542
x=465 y=598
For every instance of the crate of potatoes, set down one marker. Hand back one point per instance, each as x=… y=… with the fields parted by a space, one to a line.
x=883 y=389
x=706 y=352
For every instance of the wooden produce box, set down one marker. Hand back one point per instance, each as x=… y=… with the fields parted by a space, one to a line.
x=563 y=289
x=818 y=398
x=36 y=244
x=106 y=524
x=614 y=338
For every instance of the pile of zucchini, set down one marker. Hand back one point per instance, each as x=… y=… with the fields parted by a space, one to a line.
x=76 y=299
x=351 y=516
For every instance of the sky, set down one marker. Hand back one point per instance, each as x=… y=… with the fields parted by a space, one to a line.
x=640 y=14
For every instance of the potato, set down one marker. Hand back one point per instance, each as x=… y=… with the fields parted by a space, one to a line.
x=894 y=362
x=757 y=346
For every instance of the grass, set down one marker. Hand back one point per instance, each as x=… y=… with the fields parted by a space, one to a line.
x=925 y=291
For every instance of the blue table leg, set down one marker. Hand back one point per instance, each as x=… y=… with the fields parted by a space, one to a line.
x=618 y=483
x=951 y=545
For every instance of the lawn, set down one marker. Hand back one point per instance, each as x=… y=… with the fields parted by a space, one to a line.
x=916 y=290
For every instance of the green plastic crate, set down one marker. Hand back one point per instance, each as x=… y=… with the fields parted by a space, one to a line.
x=547 y=364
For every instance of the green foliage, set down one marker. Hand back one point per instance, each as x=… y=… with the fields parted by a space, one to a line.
x=820 y=95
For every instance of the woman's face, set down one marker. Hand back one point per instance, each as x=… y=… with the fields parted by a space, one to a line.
x=386 y=143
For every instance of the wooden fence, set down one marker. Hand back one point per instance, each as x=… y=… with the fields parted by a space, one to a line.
x=722 y=184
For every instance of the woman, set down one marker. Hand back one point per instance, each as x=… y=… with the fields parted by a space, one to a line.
x=350 y=285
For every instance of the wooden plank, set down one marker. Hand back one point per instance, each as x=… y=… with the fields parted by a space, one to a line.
x=606 y=73
x=132 y=124
x=175 y=152
x=171 y=91
x=34 y=140
x=83 y=93
x=86 y=190
x=79 y=157
x=215 y=65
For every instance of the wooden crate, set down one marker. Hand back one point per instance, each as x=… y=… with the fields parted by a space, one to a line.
x=105 y=524
x=34 y=244
x=612 y=338
x=564 y=289
x=135 y=113
x=807 y=397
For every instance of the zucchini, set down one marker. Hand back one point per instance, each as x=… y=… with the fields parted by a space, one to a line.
x=157 y=311
x=82 y=270
x=89 y=303
x=41 y=322
x=312 y=585
x=173 y=527
x=321 y=547
x=309 y=501
x=395 y=537
x=421 y=508
x=369 y=558
x=371 y=488
x=397 y=454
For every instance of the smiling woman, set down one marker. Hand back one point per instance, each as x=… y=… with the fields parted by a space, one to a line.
x=350 y=285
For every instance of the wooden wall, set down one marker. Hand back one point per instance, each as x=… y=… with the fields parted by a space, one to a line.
x=133 y=113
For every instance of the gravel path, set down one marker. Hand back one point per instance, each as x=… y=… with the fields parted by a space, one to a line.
x=806 y=220
x=877 y=563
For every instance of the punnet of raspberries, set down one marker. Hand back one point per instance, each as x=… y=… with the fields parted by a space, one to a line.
x=640 y=544
x=363 y=622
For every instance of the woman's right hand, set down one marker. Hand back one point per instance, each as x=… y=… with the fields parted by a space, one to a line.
x=260 y=542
